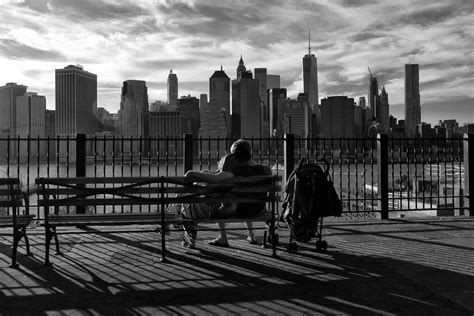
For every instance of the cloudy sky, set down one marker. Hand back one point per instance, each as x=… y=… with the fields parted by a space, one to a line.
x=138 y=39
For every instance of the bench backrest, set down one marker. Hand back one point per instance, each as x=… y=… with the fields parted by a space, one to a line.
x=10 y=193
x=116 y=191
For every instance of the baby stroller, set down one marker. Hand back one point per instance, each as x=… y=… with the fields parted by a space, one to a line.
x=309 y=197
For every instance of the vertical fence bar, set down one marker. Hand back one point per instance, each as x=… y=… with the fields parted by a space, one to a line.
x=289 y=155
x=188 y=153
x=382 y=172
x=469 y=171
x=80 y=163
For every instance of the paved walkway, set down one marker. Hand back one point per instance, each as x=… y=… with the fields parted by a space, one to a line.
x=422 y=266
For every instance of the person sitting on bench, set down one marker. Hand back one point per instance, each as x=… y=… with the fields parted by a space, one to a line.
x=234 y=164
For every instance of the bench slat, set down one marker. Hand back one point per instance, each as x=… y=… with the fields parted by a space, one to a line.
x=7 y=220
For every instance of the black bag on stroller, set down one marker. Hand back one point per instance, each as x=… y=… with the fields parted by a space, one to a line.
x=309 y=197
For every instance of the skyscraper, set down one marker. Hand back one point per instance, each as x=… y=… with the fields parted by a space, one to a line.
x=241 y=68
x=172 y=90
x=276 y=99
x=310 y=76
x=373 y=95
x=383 y=109
x=76 y=101
x=338 y=114
x=219 y=92
x=412 y=99
x=31 y=116
x=245 y=107
x=296 y=118
x=134 y=111
x=8 y=107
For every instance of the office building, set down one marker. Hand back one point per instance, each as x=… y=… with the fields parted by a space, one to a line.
x=76 y=101
x=134 y=112
x=452 y=127
x=213 y=126
x=188 y=107
x=273 y=81
x=245 y=121
x=172 y=90
x=8 y=107
x=383 y=109
x=219 y=92
x=261 y=76
x=50 y=123
x=165 y=124
x=337 y=117
x=296 y=118
x=276 y=98
x=373 y=97
x=424 y=130
x=31 y=116
x=158 y=106
x=412 y=99
x=202 y=100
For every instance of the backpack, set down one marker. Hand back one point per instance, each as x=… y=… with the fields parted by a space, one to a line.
x=245 y=210
x=310 y=195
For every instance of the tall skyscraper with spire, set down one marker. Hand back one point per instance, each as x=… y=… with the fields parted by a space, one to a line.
x=412 y=99
x=310 y=76
x=241 y=68
x=172 y=90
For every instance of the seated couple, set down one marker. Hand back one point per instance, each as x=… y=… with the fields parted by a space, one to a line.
x=237 y=163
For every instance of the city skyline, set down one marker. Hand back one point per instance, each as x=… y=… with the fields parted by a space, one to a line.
x=143 y=40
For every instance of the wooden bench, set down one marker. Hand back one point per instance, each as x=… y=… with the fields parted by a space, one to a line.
x=12 y=198
x=112 y=200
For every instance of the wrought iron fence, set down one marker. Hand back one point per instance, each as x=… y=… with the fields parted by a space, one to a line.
x=374 y=177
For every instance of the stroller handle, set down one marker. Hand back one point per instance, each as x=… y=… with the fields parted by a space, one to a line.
x=326 y=164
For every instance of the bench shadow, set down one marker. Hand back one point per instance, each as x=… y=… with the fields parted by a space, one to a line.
x=240 y=279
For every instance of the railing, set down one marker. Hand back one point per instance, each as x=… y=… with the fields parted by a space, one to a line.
x=375 y=177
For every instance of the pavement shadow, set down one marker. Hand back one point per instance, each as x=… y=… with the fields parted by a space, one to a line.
x=241 y=279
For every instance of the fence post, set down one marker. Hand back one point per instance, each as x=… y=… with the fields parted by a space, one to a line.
x=188 y=153
x=80 y=163
x=469 y=171
x=382 y=173
x=289 y=155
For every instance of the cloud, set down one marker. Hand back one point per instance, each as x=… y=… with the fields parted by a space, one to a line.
x=86 y=9
x=15 y=50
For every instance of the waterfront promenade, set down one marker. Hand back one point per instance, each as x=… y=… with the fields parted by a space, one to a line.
x=410 y=266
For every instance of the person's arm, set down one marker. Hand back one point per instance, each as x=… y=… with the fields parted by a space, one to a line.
x=209 y=177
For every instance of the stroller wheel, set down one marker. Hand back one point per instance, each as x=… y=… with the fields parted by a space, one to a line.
x=321 y=245
x=324 y=245
x=292 y=247
x=270 y=241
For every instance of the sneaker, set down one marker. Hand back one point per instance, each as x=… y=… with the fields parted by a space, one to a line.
x=187 y=245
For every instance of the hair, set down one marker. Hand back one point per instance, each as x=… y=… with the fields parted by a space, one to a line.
x=242 y=150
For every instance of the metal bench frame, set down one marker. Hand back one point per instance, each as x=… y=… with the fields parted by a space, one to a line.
x=155 y=191
x=13 y=198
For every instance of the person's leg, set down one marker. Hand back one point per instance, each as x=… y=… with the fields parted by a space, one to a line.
x=193 y=211
x=251 y=238
x=221 y=239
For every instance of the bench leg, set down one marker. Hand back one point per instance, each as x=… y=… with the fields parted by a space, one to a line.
x=27 y=242
x=48 y=236
x=16 y=240
x=265 y=233
x=56 y=240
